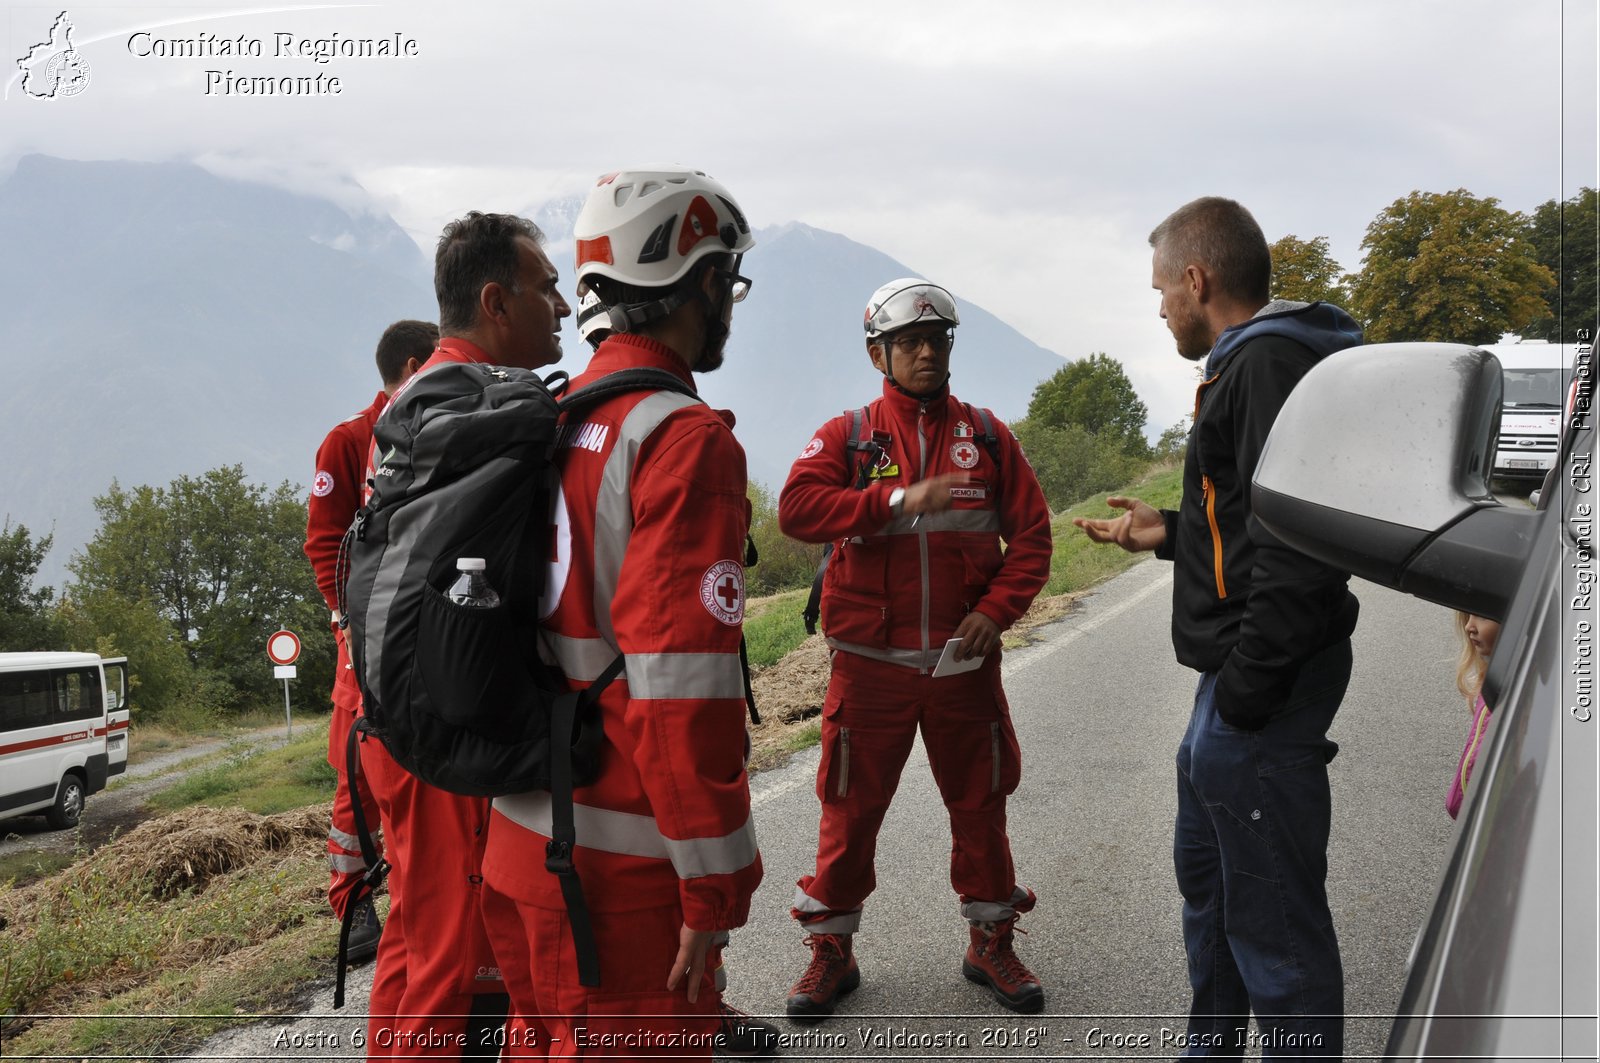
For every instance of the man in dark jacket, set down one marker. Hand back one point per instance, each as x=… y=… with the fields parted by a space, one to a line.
x=1269 y=632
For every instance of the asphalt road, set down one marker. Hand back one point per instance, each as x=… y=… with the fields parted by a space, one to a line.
x=1099 y=707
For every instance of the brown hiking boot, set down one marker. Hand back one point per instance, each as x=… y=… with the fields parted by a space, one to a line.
x=991 y=961
x=831 y=974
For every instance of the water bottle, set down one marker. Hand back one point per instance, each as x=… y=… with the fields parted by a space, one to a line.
x=472 y=588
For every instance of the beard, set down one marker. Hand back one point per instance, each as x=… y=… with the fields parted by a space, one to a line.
x=1191 y=336
x=715 y=349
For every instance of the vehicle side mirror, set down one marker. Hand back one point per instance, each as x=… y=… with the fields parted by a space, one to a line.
x=1379 y=464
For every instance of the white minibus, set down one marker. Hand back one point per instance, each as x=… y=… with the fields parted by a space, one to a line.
x=1536 y=375
x=63 y=731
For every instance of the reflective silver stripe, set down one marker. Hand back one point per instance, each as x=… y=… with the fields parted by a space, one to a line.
x=993 y=911
x=685 y=675
x=839 y=923
x=632 y=835
x=951 y=520
x=921 y=660
x=581 y=660
x=343 y=840
x=349 y=865
x=613 y=518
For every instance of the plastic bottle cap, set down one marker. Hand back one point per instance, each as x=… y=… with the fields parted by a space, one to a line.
x=470 y=564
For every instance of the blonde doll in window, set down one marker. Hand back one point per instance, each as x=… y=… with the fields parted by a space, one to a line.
x=1478 y=636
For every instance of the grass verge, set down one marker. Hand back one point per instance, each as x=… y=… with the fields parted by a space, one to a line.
x=155 y=942
x=261 y=779
x=1077 y=563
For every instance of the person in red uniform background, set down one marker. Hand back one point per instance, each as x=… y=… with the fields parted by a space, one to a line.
x=437 y=990
x=651 y=524
x=917 y=526
x=335 y=497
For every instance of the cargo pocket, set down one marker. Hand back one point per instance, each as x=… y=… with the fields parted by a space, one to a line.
x=469 y=664
x=833 y=773
x=1005 y=757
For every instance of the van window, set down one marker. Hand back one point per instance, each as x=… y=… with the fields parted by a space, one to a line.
x=25 y=701
x=78 y=695
x=1535 y=387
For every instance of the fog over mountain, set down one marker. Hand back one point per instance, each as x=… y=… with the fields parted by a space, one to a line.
x=160 y=320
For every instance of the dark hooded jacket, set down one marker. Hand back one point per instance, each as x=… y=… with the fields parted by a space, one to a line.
x=1243 y=603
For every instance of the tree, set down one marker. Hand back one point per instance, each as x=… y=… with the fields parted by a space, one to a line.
x=784 y=563
x=1095 y=394
x=1448 y=267
x=1174 y=442
x=218 y=559
x=1073 y=463
x=1304 y=271
x=27 y=615
x=1566 y=241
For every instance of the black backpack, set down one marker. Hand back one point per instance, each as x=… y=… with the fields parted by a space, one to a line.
x=457 y=694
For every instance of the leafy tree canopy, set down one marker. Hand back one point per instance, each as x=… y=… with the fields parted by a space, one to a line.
x=1095 y=394
x=1303 y=270
x=27 y=616
x=219 y=560
x=1566 y=241
x=1448 y=267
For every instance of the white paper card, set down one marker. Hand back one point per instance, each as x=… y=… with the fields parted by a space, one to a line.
x=948 y=665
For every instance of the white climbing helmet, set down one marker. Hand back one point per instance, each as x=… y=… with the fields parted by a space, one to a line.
x=646 y=227
x=908 y=301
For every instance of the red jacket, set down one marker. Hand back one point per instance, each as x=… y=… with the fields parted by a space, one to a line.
x=897 y=588
x=336 y=493
x=650 y=533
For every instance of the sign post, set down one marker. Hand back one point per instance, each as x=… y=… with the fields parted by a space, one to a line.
x=283 y=649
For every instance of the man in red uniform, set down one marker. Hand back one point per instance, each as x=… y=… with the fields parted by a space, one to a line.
x=437 y=990
x=650 y=531
x=916 y=499
x=335 y=497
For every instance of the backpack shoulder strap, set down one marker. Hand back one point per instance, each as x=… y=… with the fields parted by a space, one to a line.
x=621 y=382
x=989 y=437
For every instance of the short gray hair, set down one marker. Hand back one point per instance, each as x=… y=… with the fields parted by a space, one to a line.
x=1222 y=236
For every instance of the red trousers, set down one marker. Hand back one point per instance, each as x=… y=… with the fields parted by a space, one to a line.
x=869 y=720
x=434 y=961
x=345 y=862
x=631 y=1015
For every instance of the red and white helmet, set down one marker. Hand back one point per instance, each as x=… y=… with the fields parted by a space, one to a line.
x=646 y=227
x=908 y=301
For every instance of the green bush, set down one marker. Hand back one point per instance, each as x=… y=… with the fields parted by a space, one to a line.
x=1073 y=463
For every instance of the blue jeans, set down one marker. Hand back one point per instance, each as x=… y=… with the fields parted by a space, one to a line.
x=1251 y=855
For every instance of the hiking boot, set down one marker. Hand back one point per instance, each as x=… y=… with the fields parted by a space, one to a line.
x=991 y=961
x=830 y=975
x=365 y=930
x=741 y=1036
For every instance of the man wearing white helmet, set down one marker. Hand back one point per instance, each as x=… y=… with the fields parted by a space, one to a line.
x=650 y=530
x=916 y=493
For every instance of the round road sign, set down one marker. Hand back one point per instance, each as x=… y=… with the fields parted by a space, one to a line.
x=283 y=647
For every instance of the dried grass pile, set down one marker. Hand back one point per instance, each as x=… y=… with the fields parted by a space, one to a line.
x=184 y=850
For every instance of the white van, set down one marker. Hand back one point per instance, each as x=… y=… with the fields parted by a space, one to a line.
x=63 y=731
x=1537 y=375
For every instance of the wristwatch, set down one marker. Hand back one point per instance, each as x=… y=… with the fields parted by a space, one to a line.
x=897 y=501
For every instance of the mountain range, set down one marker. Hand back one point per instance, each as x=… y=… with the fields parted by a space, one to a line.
x=161 y=320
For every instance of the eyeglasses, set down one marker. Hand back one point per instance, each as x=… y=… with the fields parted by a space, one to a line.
x=738 y=287
x=938 y=342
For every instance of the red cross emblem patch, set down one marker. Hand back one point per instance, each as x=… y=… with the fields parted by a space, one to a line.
x=722 y=592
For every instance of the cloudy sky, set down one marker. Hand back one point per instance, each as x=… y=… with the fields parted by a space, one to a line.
x=1018 y=152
